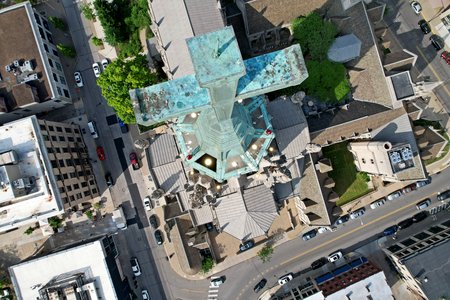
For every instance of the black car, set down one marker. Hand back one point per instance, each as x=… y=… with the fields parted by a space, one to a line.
x=437 y=42
x=342 y=220
x=309 y=235
x=444 y=195
x=390 y=230
x=419 y=217
x=405 y=223
x=247 y=245
x=109 y=180
x=153 y=221
x=424 y=26
x=158 y=237
x=318 y=263
x=260 y=285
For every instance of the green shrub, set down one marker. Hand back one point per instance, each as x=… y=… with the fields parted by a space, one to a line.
x=66 y=50
x=87 y=11
x=97 y=42
x=207 y=264
x=58 y=23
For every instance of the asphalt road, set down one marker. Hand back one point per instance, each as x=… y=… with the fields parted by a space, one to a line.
x=403 y=22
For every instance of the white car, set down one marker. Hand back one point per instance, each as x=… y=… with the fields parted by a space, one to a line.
x=147 y=203
x=78 y=79
x=378 y=203
x=323 y=229
x=105 y=63
x=96 y=69
x=335 y=256
x=357 y=213
x=135 y=266
x=285 y=279
x=145 y=295
x=416 y=7
x=394 y=195
x=215 y=282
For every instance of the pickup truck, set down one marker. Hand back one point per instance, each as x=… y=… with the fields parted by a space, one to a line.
x=134 y=161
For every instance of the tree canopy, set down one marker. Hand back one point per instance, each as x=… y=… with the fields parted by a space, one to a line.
x=207 y=264
x=327 y=81
x=265 y=254
x=121 y=76
x=314 y=34
x=112 y=17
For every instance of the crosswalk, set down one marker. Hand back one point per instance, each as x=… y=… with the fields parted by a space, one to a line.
x=213 y=292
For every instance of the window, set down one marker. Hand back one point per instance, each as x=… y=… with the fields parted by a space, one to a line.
x=65 y=150
x=77 y=161
x=91 y=182
x=73 y=175
x=69 y=162
x=55 y=77
x=76 y=186
x=70 y=139
x=58 y=65
x=79 y=196
x=80 y=174
x=84 y=184
x=41 y=32
x=62 y=189
x=50 y=62
x=53 y=138
x=63 y=81
x=45 y=24
x=79 y=139
x=50 y=150
x=58 y=177
x=45 y=137
x=66 y=93
x=72 y=198
x=65 y=200
x=55 y=53
x=58 y=150
x=49 y=37
x=69 y=188
x=37 y=18
x=62 y=139
x=51 y=128
x=65 y=176
x=76 y=130
x=61 y=163
x=59 y=129
x=42 y=126
x=87 y=193
x=94 y=191
x=68 y=130
x=54 y=164
x=59 y=91
x=46 y=48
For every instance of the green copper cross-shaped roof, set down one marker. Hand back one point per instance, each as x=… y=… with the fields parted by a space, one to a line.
x=222 y=127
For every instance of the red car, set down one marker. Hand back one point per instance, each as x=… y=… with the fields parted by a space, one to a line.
x=134 y=161
x=100 y=153
x=446 y=56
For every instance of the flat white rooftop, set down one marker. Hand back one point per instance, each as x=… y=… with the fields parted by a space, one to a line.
x=28 y=192
x=89 y=259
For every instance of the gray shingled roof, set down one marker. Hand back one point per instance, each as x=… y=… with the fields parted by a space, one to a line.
x=170 y=177
x=162 y=150
x=204 y=16
x=291 y=128
x=402 y=85
x=291 y=188
x=345 y=48
x=247 y=215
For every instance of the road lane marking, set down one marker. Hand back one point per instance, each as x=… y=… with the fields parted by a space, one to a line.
x=433 y=71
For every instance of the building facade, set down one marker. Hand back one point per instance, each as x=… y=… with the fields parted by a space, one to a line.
x=33 y=79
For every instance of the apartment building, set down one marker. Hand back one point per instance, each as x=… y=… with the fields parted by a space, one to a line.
x=44 y=169
x=87 y=270
x=31 y=74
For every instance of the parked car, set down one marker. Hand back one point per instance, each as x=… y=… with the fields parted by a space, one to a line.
x=444 y=195
x=424 y=26
x=159 y=237
x=134 y=161
x=390 y=230
x=153 y=221
x=135 y=266
x=409 y=188
x=309 y=235
x=422 y=183
x=247 y=245
x=122 y=125
x=419 y=217
x=405 y=223
x=100 y=153
x=78 y=79
x=260 y=285
x=145 y=295
x=423 y=204
x=446 y=56
x=377 y=203
x=109 y=180
x=318 y=263
x=285 y=279
x=342 y=219
x=437 y=42
x=105 y=63
x=147 y=203
x=394 y=195
x=416 y=7
x=323 y=229
x=335 y=256
x=209 y=226
x=215 y=282
x=357 y=213
x=96 y=69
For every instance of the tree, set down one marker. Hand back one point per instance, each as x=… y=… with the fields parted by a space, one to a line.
x=327 y=81
x=66 y=50
x=207 y=264
x=97 y=205
x=29 y=230
x=112 y=16
x=314 y=34
x=97 y=42
x=87 y=11
x=139 y=17
x=89 y=215
x=265 y=253
x=122 y=76
x=132 y=47
x=58 y=23
x=54 y=223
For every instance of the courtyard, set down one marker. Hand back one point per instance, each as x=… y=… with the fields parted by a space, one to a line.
x=350 y=184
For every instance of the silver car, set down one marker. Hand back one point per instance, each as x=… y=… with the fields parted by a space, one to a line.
x=394 y=195
x=357 y=213
x=78 y=79
x=423 y=204
x=378 y=203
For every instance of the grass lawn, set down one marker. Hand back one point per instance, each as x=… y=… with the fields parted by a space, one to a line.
x=350 y=184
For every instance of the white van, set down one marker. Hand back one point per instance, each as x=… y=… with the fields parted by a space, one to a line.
x=93 y=129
